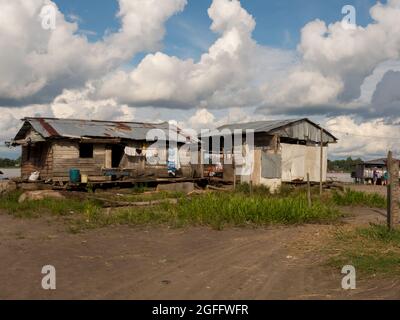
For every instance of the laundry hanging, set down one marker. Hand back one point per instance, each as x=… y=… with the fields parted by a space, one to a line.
x=134 y=152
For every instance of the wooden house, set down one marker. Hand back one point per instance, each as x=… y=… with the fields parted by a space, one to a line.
x=285 y=151
x=100 y=150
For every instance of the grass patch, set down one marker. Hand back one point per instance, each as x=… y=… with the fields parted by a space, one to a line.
x=371 y=250
x=216 y=210
x=141 y=197
x=246 y=188
x=357 y=198
x=219 y=210
x=33 y=209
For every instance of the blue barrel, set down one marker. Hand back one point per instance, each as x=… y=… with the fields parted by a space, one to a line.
x=74 y=176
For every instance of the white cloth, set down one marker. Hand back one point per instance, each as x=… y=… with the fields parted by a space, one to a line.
x=34 y=176
x=134 y=152
x=173 y=156
x=131 y=152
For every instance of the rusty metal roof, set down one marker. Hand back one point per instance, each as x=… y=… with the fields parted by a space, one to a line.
x=301 y=129
x=78 y=129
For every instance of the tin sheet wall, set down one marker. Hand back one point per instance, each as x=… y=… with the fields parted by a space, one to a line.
x=298 y=160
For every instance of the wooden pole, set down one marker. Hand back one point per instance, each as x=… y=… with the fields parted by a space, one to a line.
x=234 y=171
x=393 y=192
x=321 y=172
x=309 y=190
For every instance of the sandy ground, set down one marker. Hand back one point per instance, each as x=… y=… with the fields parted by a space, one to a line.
x=162 y=263
x=382 y=190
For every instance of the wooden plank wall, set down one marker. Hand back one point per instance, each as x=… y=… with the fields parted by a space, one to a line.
x=40 y=159
x=66 y=157
x=55 y=159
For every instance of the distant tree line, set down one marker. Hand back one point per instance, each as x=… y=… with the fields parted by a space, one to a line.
x=348 y=165
x=9 y=163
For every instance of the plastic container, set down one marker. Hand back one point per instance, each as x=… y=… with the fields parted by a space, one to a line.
x=74 y=176
x=84 y=178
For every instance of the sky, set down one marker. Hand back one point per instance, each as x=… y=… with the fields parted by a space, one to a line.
x=206 y=63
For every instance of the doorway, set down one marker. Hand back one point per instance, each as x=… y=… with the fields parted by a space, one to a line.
x=117 y=153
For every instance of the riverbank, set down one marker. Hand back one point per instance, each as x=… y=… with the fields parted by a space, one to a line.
x=9 y=173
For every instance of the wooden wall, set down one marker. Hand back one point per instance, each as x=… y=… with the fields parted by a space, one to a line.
x=66 y=157
x=37 y=157
x=55 y=159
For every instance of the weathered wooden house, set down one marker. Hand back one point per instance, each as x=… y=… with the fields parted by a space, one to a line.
x=101 y=150
x=284 y=151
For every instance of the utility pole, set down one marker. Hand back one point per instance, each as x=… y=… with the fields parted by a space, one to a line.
x=393 y=191
x=321 y=162
x=234 y=171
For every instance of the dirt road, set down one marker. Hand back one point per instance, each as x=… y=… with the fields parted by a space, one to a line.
x=162 y=263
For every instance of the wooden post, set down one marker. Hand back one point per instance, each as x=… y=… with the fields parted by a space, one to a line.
x=321 y=172
x=309 y=190
x=234 y=171
x=251 y=187
x=393 y=192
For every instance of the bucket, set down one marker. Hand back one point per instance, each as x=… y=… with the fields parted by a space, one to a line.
x=74 y=176
x=84 y=178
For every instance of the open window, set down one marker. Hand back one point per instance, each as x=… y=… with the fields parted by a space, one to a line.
x=86 y=151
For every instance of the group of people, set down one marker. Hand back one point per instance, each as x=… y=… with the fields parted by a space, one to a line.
x=377 y=175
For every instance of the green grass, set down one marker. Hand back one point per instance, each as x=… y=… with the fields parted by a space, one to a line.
x=219 y=210
x=155 y=196
x=371 y=250
x=141 y=197
x=246 y=188
x=356 y=198
x=33 y=209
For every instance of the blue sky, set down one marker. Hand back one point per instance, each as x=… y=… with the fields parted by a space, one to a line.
x=188 y=35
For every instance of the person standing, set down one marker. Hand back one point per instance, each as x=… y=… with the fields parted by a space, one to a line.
x=375 y=177
x=385 y=178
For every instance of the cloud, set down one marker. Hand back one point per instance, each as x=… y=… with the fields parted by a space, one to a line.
x=371 y=139
x=228 y=75
x=37 y=64
x=332 y=71
x=335 y=61
x=386 y=98
x=350 y=75
x=328 y=71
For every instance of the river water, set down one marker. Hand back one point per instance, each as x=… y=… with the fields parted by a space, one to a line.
x=10 y=173
x=340 y=177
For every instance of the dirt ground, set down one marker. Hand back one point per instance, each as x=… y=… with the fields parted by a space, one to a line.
x=162 y=263
x=382 y=190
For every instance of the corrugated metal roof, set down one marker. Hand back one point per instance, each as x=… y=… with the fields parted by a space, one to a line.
x=302 y=129
x=77 y=129
x=381 y=161
x=258 y=126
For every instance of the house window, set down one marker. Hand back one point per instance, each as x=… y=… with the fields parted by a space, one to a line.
x=86 y=151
